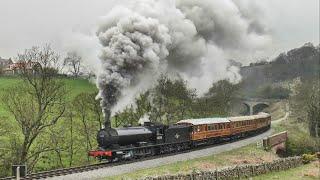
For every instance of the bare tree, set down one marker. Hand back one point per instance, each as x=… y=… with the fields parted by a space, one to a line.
x=95 y=108
x=38 y=102
x=314 y=110
x=73 y=61
x=83 y=109
x=305 y=105
x=70 y=116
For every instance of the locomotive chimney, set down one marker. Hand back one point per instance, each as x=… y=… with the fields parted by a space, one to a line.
x=107 y=121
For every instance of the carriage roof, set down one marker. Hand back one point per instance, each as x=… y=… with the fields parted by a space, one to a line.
x=203 y=121
x=222 y=120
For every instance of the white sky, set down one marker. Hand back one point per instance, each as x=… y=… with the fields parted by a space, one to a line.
x=24 y=23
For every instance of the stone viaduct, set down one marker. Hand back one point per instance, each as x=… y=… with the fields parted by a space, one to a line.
x=255 y=105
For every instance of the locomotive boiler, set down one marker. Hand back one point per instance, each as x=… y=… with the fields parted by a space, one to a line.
x=109 y=138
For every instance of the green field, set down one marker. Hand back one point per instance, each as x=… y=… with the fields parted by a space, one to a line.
x=73 y=86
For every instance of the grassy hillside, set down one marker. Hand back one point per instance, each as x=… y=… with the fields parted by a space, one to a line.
x=277 y=110
x=74 y=87
x=6 y=82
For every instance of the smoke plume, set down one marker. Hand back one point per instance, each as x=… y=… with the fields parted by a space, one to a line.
x=142 y=39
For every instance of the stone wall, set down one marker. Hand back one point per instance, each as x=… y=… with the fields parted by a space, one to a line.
x=236 y=172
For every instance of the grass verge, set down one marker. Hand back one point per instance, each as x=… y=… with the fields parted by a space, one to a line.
x=246 y=155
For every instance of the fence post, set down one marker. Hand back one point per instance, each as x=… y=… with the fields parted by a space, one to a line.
x=18 y=173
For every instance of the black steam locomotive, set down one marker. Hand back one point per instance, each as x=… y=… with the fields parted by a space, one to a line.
x=140 y=141
x=152 y=138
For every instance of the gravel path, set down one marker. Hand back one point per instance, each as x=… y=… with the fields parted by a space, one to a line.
x=126 y=168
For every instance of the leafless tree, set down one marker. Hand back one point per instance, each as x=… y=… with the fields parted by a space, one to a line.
x=73 y=61
x=38 y=102
x=70 y=116
x=81 y=107
x=95 y=108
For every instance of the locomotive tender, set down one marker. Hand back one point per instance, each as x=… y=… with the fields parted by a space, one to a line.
x=151 y=139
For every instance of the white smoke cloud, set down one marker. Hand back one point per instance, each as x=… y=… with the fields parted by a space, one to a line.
x=194 y=39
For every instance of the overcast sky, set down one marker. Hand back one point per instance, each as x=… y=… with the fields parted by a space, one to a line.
x=24 y=23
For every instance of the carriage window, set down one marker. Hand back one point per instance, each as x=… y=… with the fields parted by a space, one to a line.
x=228 y=125
x=196 y=129
x=210 y=127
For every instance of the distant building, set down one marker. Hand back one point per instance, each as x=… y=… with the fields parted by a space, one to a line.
x=19 y=67
x=4 y=63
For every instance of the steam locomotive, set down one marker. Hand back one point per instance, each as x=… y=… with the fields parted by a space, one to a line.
x=126 y=143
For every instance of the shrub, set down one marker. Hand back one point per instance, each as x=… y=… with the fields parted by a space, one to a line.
x=300 y=145
x=307 y=158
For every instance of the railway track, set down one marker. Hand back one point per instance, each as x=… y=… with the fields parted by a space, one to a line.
x=85 y=168
x=60 y=172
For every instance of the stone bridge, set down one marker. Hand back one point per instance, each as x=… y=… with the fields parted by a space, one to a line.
x=255 y=105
